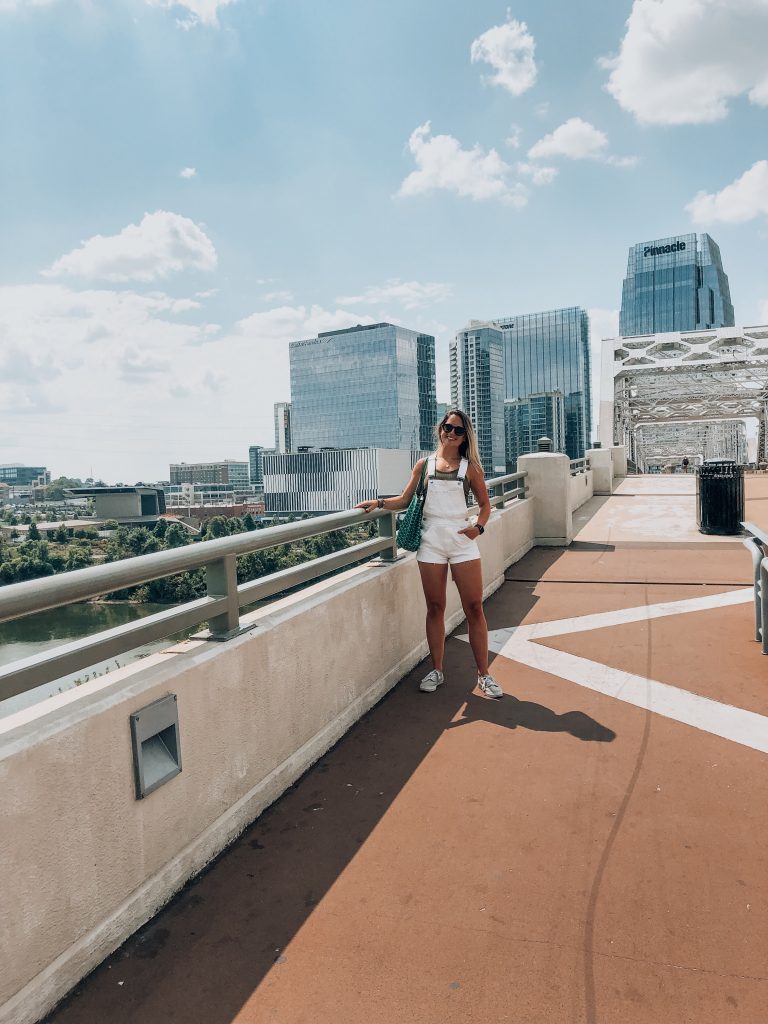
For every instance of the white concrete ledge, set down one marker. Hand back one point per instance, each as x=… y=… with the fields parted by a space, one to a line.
x=254 y=714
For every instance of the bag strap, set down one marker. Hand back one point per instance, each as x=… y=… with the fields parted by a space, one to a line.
x=420 y=487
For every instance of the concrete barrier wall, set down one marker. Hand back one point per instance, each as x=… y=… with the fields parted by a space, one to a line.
x=85 y=863
x=581 y=489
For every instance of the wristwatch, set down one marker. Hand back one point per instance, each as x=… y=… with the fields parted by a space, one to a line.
x=479 y=527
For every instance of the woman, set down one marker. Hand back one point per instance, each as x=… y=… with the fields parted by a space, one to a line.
x=448 y=539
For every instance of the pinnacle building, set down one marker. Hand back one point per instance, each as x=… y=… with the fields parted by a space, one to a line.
x=675 y=284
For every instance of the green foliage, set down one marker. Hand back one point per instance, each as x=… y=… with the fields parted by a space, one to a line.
x=33 y=533
x=176 y=536
x=109 y=524
x=55 y=490
x=216 y=527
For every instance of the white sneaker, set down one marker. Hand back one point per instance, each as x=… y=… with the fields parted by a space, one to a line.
x=489 y=687
x=431 y=682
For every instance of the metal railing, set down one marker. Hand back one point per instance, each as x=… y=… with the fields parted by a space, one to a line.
x=757 y=544
x=579 y=466
x=220 y=607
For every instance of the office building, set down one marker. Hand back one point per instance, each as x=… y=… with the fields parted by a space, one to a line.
x=546 y=352
x=282 y=427
x=441 y=408
x=228 y=471
x=370 y=386
x=127 y=505
x=675 y=284
x=334 y=479
x=256 y=454
x=477 y=388
x=528 y=419
x=17 y=475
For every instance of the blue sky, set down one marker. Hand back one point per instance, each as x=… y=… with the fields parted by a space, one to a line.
x=185 y=188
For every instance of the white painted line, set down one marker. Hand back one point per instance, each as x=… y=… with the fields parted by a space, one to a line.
x=736 y=724
x=601 y=620
x=518 y=644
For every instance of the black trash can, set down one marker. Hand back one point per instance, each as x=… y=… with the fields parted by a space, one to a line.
x=720 y=497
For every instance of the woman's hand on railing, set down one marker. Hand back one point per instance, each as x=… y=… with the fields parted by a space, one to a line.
x=367 y=506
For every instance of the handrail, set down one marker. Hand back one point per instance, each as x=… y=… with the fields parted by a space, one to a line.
x=579 y=466
x=757 y=543
x=220 y=608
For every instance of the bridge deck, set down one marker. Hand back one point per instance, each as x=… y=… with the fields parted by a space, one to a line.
x=590 y=849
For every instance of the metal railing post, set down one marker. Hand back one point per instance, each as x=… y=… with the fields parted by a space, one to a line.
x=221 y=581
x=388 y=530
x=764 y=604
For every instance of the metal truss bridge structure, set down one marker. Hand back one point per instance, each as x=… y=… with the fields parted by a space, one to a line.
x=662 y=383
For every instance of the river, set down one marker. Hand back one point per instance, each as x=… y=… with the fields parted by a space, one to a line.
x=22 y=638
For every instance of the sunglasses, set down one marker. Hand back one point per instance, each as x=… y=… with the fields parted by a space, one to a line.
x=450 y=428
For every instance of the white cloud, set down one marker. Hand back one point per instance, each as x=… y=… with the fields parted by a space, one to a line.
x=410 y=294
x=60 y=346
x=763 y=317
x=509 y=49
x=443 y=164
x=681 y=61
x=539 y=175
x=515 y=134
x=284 y=296
x=161 y=244
x=294 y=323
x=742 y=200
x=188 y=172
x=577 y=139
x=200 y=12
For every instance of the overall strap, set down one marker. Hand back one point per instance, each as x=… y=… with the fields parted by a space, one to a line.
x=463 y=467
x=431 y=462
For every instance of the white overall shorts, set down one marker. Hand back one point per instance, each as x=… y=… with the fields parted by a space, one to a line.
x=445 y=513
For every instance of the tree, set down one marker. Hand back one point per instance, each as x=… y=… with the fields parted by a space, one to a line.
x=249 y=523
x=217 y=527
x=176 y=536
x=33 y=533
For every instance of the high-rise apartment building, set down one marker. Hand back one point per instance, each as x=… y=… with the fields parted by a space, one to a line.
x=256 y=456
x=546 y=352
x=675 y=284
x=477 y=388
x=282 y=427
x=228 y=471
x=528 y=419
x=371 y=386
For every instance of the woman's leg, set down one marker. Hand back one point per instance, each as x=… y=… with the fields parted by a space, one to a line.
x=434 y=579
x=468 y=577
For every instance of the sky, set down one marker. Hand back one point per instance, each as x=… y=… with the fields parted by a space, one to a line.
x=187 y=187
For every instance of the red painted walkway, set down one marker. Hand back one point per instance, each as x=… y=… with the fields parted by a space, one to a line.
x=558 y=857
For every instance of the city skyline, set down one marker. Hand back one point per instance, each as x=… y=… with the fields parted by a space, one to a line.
x=171 y=231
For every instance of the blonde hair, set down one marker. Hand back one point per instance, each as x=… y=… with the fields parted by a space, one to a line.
x=468 y=448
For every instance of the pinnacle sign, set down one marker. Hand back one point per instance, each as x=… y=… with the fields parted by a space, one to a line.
x=661 y=250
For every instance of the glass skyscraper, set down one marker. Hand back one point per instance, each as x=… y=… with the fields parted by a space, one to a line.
x=528 y=419
x=675 y=284
x=546 y=352
x=477 y=388
x=364 y=387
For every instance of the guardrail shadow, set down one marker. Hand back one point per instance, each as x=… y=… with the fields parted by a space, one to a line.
x=204 y=955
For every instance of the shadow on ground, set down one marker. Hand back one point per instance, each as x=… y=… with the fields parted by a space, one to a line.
x=202 y=956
